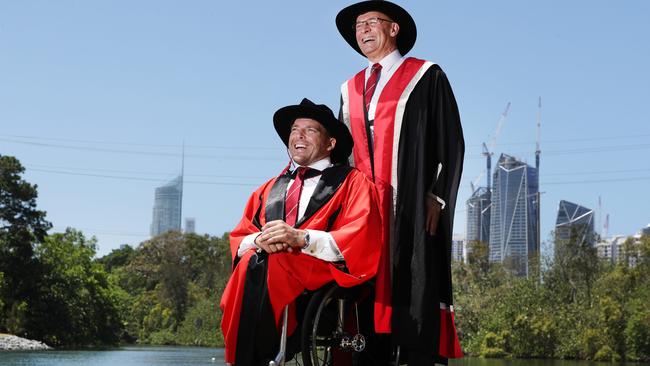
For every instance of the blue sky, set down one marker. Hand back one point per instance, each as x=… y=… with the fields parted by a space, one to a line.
x=97 y=97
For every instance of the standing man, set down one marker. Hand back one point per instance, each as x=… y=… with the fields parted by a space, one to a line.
x=404 y=120
x=314 y=223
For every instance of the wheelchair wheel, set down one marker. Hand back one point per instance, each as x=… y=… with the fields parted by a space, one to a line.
x=330 y=329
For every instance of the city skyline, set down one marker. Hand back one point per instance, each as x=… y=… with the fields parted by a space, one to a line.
x=98 y=114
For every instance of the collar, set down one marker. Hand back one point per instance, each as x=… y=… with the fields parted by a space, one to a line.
x=388 y=61
x=318 y=165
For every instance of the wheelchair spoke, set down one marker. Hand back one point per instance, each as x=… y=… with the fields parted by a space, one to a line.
x=325 y=339
x=322 y=356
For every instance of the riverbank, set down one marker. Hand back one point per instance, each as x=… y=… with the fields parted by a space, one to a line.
x=10 y=342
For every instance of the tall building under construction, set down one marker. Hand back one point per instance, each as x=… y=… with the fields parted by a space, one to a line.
x=478 y=216
x=513 y=214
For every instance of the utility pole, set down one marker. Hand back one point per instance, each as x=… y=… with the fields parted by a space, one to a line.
x=539 y=195
x=539 y=120
x=539 y=227
x=600 y=217
x=180 y=216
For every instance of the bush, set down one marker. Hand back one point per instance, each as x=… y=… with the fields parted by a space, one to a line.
x=606 y=353
x=163 y=337
x=493 y=345
x=637 y=335
x=201 y=326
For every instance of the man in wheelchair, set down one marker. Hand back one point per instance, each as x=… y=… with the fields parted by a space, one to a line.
x=315 y=223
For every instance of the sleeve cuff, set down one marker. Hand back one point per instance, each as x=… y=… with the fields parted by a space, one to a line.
x=323 y=246
x=247 y=243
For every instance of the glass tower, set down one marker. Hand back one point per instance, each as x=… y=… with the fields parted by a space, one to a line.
x=167 y=207
x=513 y=214
x=478 y=216
x=574 y=222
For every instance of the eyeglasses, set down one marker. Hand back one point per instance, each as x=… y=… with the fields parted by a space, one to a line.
x=372 y=22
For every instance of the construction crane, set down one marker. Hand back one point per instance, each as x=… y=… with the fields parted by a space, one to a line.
x=488 y=150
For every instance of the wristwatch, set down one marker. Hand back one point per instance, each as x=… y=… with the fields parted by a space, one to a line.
x=307 y=240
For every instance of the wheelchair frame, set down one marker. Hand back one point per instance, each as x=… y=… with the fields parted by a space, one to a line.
x=317 y=349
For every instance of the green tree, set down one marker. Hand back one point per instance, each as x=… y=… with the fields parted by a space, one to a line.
x=167 y=276
x=637 y=331
x=2 y=304
x=78 y=305
x=475 y=296
x=22 y=227
x=574 y=270
x=201 y=326
x=117 y=257
x=164 y=262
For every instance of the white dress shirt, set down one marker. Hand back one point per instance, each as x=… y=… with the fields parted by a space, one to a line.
x=321 y=243
x=389 y=64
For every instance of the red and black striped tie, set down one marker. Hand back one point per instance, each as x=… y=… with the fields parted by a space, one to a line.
x=371 y=84
x=293 y=197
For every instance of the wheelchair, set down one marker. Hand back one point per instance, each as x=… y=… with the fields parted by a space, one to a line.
x=337 y=326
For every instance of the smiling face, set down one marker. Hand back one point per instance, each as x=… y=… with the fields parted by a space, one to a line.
x=379 y=40
x=309 y=141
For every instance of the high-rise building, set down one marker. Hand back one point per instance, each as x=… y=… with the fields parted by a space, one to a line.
x=457 y=248
x=513 y=214
x=575 y=223
x=190 y=225
x=613 y=249
x=167 y=207
x=478 y=216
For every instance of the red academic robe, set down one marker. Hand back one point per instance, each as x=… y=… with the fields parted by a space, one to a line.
x=343 y=204
x=418 y=149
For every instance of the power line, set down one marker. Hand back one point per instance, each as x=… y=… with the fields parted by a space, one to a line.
x=615 y=148
x=140 y=178
x=135 y=152
x=561 y=141
x=61 y=229
x=255 y=185
x=172 y=146
x=164 y=175
x=598 y=149
x=239 y=147
x=598 y=181
x=465 y=179
x=601 y=172
x=11 y=139
x=160 y=174
x=590 y=150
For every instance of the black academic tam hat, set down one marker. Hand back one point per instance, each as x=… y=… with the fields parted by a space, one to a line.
x=284 y=117
x=347 y=17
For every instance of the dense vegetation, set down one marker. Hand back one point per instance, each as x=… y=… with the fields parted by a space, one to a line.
x=577 y=307
x=170 y=288
x=167 y=289
x=53 y=289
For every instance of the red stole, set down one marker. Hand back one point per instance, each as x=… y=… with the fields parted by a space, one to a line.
x=384 y=125
x=387 y=127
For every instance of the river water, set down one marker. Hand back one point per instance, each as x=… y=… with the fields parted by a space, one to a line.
x=194 y=356
x=124 y=356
